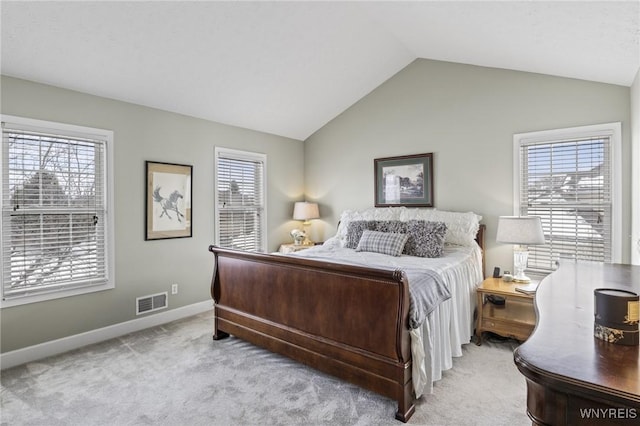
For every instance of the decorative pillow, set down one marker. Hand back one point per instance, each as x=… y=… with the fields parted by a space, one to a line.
x=426 y=239
x=461 y=227
x=372 y=213
x=355 y=229
x=382 y=242
x=354 y=232
x=394 y=226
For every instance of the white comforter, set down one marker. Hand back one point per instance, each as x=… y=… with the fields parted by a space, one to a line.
x=450 y=325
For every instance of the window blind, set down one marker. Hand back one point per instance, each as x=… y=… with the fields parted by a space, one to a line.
x=53 y=212
x=240 y=200
x=568 y=183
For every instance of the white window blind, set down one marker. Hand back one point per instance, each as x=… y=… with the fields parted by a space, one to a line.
x=240 y=200
x=53 y=212
x=569 y=183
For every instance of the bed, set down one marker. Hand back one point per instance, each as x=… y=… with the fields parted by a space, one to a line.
x=355 y=313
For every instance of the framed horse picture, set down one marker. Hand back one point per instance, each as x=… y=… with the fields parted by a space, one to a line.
x=168 y=201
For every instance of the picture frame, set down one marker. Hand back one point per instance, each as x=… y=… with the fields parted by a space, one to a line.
x=404 y=181
x=168 y=200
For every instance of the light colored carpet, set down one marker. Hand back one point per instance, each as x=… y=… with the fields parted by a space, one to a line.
x=176 y=374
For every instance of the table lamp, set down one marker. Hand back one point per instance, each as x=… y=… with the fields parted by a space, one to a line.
x=305 y=211
x=522 y=231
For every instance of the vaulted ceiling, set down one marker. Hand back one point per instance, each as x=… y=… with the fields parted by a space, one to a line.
x=288 y=68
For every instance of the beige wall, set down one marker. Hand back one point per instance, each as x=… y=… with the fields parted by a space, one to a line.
x=466 y=115
x=146 y=267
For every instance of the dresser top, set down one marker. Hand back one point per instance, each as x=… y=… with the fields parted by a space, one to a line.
x=563 y=350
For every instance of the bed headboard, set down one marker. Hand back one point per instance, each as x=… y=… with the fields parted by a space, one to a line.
x=480 y=241
x=479 y=236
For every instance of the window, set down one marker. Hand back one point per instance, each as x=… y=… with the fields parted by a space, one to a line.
x=240 y=199
x=570 y=178
x=56 y=223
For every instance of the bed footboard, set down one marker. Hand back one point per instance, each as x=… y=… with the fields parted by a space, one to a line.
x=347 y=321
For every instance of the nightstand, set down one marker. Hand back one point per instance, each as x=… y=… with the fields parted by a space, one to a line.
x=292 y=248
x=515 y=319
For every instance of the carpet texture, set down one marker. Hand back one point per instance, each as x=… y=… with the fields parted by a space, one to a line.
x=175 y=374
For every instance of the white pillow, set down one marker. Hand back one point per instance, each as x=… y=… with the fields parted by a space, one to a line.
x=461 y=227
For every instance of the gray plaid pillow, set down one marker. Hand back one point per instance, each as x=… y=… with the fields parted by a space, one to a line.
x=382 y=242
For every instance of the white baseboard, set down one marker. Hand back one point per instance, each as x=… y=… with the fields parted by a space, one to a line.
x=65 y=344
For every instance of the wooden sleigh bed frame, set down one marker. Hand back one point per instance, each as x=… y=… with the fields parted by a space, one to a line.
x=347 y=321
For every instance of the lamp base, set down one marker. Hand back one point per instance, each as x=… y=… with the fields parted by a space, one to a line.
x=520 y=256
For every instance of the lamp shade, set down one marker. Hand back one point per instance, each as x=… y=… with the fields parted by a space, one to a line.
x=523 y=230
x=305 y=211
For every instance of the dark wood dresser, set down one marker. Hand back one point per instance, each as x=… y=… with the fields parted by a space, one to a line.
x=572 y=377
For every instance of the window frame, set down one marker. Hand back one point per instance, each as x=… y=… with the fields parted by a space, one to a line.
x=248 y=156
x=65 y=130
x=611 y=130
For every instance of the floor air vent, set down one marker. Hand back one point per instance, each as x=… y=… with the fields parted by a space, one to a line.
x=151 y=303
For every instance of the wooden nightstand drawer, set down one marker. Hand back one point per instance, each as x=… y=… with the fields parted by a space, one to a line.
x=515 y=318
x=508 y=328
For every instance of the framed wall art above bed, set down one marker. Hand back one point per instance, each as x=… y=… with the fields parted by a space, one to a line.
x=404 y=181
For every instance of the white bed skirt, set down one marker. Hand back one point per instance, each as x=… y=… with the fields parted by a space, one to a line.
x=448 y=327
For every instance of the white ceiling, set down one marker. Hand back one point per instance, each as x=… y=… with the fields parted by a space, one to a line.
x=288 y=68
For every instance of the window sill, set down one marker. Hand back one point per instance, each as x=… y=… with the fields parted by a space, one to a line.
x=52 y=295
